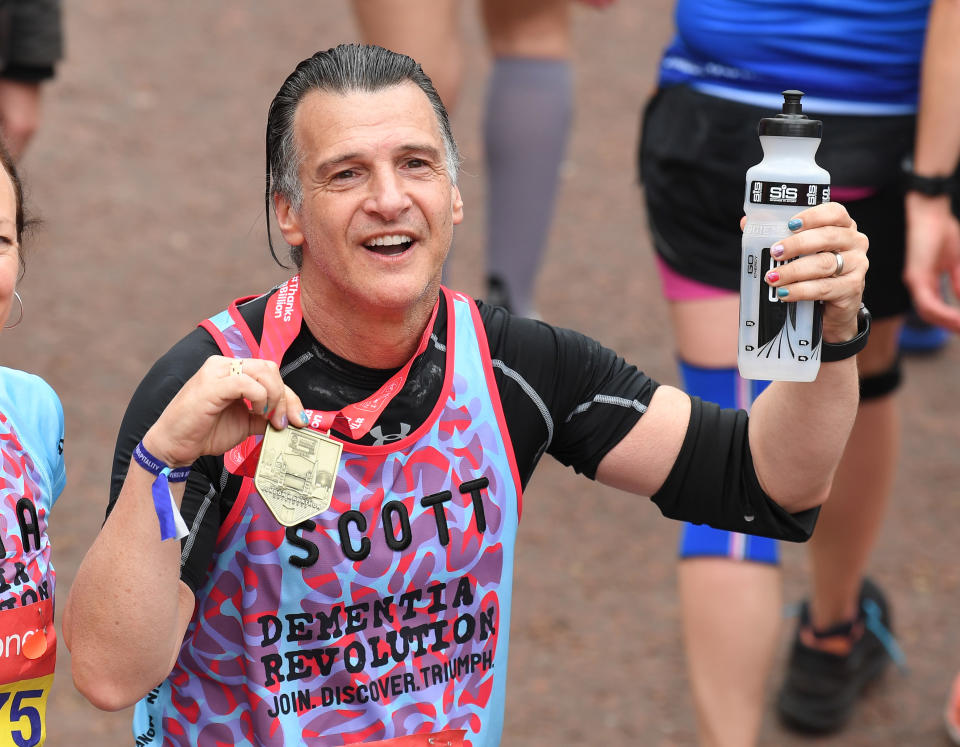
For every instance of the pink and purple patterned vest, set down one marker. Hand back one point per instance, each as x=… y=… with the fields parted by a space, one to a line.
x=32 y=477
x=385 y=615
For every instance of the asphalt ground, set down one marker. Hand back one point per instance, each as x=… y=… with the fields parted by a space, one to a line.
x=148 y=172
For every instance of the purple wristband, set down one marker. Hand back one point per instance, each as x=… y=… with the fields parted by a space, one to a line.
x=171 y=522
x=154 y=466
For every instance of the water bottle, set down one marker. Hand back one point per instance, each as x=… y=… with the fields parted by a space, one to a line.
x=779 y=340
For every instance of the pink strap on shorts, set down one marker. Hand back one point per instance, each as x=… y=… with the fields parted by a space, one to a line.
x=851 y=194
x=677 y=287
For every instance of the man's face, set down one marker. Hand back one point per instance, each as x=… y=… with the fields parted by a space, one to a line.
x=378 y=208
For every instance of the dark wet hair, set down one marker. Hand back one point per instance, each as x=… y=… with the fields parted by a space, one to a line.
x=23 y=223
x=344 y=69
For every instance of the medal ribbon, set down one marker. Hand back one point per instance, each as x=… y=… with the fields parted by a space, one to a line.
x=281 y=325
x=282 y=319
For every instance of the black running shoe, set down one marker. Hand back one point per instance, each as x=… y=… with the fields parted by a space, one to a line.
x=820 y=688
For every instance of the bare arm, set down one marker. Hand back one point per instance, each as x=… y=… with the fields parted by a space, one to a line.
x=128 y=585
x=128 y=609
x=797 y=431
x=933 y=234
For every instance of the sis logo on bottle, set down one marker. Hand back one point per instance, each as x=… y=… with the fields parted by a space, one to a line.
x=788 y=193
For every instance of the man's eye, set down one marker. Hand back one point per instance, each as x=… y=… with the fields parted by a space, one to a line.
x=345 y=174
x=416 y=163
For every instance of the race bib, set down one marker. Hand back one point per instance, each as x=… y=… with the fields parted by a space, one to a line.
x=28 y=653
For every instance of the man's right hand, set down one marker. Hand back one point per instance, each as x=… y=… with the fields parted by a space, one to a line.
x=114 y=665
x=227 y=400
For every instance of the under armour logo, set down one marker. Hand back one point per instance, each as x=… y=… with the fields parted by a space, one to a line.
x=381 y=439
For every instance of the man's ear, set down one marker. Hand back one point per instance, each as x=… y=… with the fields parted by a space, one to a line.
x=288 y=220
x=457 y=205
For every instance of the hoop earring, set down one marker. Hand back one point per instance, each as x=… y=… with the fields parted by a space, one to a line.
x=19 y=318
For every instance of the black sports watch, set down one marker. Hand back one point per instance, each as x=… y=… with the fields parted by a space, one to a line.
x=931 y=186
x=831 y=352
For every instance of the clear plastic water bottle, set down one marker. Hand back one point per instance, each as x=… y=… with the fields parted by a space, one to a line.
x=779 y=340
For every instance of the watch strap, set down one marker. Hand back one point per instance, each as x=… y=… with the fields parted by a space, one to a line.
x=931 y=186
x=830 y=352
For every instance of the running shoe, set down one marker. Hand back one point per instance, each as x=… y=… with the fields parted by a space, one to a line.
x=918 y=337
x=821 y=688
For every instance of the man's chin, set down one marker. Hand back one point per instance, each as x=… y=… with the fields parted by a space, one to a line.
x=401 y=295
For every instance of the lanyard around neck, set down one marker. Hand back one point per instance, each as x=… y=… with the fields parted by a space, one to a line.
x=281 y=324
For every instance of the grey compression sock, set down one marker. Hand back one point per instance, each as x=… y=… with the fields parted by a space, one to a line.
x=529 y=107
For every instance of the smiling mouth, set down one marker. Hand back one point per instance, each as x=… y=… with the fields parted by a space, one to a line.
x=390 y=246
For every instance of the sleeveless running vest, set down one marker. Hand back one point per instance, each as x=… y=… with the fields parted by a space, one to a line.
x=31 y=478
x=385 y=615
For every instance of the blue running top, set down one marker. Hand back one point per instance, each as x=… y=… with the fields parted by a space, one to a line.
x=848 y=56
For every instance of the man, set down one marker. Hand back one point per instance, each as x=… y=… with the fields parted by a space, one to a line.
x=380 y=610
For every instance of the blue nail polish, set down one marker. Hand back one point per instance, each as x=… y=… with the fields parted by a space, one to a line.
x=776 y=250
x=304 y=418
x=794 y=223
x=266 y=408
x=783 y=292
x=283 y=422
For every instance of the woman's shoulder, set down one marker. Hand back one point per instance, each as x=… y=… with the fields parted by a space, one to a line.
x=25 y=390
x=31 y=411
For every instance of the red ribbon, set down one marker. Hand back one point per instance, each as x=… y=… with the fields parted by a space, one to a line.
x=281 y=324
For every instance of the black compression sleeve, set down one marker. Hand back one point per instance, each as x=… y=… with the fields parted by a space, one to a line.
x=713 y=481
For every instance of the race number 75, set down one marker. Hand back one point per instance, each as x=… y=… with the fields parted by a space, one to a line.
x=22 y=725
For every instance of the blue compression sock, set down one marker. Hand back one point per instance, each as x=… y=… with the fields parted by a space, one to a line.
x=528 y=112
x=725 y=387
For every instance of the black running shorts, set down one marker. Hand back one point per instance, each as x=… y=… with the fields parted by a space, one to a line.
x=693 y=156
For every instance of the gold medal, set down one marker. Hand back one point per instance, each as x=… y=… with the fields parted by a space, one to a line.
x=296 y=472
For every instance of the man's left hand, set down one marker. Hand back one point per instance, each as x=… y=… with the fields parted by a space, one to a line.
x=823 y=232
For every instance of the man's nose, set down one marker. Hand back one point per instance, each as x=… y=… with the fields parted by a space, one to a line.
x=388 y=196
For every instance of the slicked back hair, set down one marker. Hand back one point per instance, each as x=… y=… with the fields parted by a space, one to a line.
x=347 y=68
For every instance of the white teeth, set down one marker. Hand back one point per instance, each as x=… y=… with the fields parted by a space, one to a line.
x=390 y=240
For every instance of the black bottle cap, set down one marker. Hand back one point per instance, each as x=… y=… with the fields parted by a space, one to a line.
x=791 y=122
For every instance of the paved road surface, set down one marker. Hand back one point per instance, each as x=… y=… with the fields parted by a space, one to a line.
x=149 y=173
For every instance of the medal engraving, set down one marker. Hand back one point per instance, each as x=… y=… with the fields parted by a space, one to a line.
x=296 y=473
